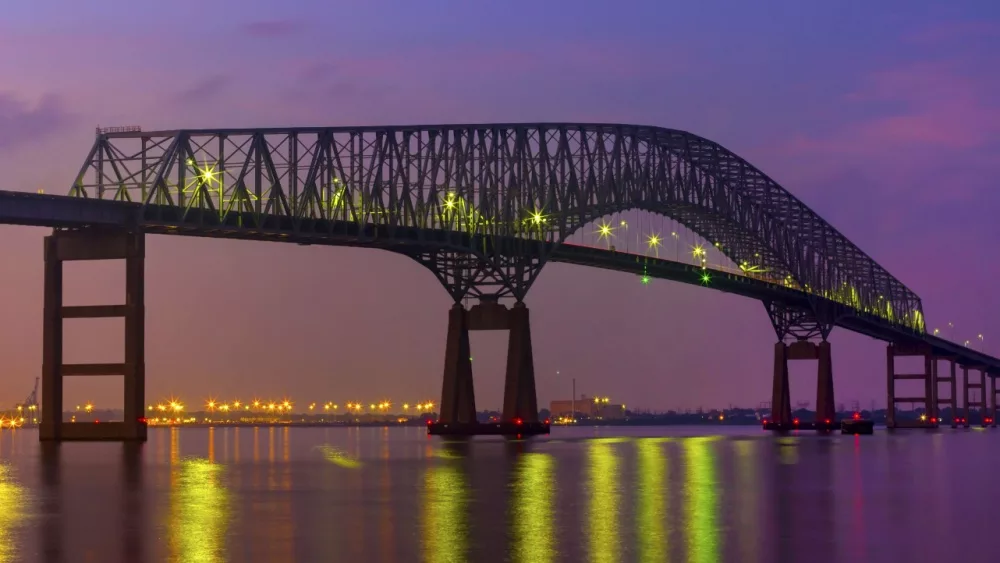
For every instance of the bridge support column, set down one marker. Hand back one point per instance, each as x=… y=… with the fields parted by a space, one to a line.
x=969 y=402
x=458 y=400
x=826 y=409
x=952 y=399
x=993 y=402
x=64 y=246
x=897 y=350
x=781 y=408
x=781 y=399
x=458 y=407
x=519 y=399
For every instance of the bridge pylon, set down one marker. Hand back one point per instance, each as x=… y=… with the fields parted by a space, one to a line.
x=458 y=408
x=781 y=409
x=64 y=246
x=801 y=325
x=458 y=398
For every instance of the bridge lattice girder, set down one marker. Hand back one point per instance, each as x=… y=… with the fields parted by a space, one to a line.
x=535 y=182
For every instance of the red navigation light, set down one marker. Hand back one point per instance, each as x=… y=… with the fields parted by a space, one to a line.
x=933 y=420
x=547 y=421
x=97 y=422
x=429 y=422
x=857 y=416
x=796 y=421
x=827 y=421
x=517 y=421
x=142 y=420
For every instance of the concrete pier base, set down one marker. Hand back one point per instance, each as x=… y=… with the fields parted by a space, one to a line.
x=781 y=399
x=519 y=399
x=458 y=407
x=63 y=246
x=980 y=403
x=781 y=408
x=458 y=398
x=931 y=378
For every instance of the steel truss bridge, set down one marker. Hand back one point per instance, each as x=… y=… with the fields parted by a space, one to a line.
x=484 y=207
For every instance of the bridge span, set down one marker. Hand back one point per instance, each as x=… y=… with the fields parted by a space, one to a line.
x=484 y=208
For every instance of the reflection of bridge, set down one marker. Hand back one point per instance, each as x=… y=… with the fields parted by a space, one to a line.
x=483 y=207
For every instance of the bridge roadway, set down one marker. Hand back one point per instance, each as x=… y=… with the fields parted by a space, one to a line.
x=109 y=229
x=20 y=208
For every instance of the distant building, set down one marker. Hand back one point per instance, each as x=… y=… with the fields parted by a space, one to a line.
x=584 y=407
x=610 y=411
x=588 y=407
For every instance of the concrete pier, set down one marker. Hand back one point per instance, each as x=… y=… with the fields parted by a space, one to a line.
x=64 y=246
x=520 y=407
x=781 y=408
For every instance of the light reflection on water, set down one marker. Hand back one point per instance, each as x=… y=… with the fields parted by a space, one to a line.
x=534 y=492
x=445 y=522
x=397 y=495
x=199 y=512
x=14 y=507
x=652 y=500
x=603 y=489
x=701 y=489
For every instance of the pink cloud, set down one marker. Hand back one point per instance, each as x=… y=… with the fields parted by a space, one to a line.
x=937 y=106
x=22 y=122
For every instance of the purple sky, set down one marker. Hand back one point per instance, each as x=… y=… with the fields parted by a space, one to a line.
x=883 y=117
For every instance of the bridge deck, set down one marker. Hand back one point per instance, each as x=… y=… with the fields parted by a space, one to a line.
x=19 y=208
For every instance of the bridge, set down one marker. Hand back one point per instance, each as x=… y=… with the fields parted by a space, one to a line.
x=483 y=207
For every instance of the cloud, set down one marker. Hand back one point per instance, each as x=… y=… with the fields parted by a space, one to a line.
x=914 y=128
x=202 y=91
x=22 y=122
x=272 y=28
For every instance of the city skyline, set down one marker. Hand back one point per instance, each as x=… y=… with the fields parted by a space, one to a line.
x=880 y=119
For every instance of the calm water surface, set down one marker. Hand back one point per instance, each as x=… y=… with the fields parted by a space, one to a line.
x=583 y=494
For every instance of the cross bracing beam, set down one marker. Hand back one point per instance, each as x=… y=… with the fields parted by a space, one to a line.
x=526 y=181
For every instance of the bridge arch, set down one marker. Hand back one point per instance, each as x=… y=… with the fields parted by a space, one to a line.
x=486 y=191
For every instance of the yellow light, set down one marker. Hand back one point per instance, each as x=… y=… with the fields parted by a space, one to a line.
x=207 y=175
x=211 y=404
x=88 y=407
x=236 y=404
x=406 y=406
x=653 y=241
x=537 y=217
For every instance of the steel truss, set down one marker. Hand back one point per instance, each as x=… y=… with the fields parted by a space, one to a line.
x=477 y=187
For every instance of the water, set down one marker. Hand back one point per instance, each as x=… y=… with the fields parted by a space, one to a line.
x=606 y=495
